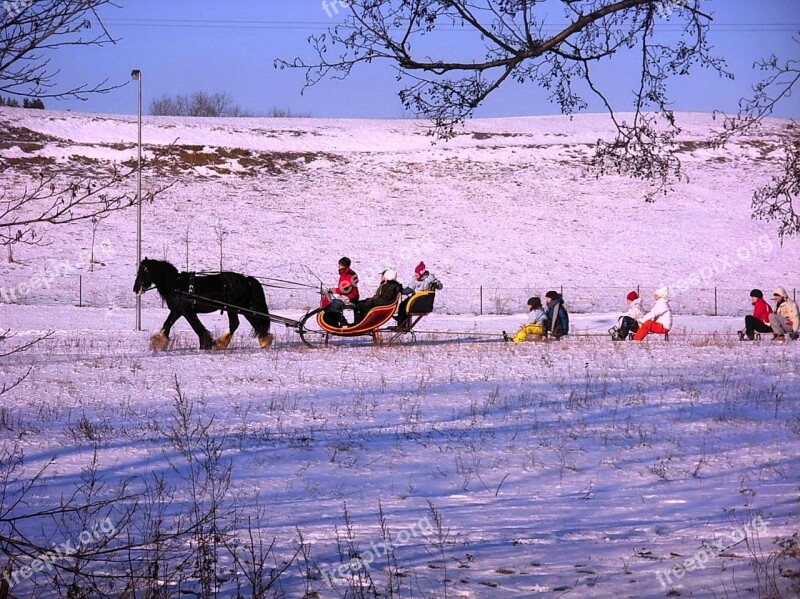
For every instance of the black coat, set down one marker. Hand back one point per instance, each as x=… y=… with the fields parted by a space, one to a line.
x=386 y=294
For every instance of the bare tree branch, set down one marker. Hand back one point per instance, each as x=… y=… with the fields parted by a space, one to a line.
x=777 y=85
x=516 y=43
x=30 y=30
x=775 y=201
x=778 y=200
x=52 y=201
x=7 y=334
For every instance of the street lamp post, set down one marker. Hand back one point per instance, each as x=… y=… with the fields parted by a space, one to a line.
x=137 y=74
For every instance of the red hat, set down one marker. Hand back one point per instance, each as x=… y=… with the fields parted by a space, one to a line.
x=420 y=268
x=632 y=296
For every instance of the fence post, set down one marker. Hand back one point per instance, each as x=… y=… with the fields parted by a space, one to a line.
x=715 y=301
x=638 y=290
x=481 y=294
x=80 y=291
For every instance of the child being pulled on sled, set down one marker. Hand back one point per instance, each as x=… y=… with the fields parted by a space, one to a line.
x=629 y=322
x=533 y=329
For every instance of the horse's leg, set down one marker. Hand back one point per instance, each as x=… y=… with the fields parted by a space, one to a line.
x=206 y=341
x=160 y=340
x=224 y=340
x=261 y=330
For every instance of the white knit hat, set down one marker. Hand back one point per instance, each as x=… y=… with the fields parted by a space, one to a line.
x=780 y=291
x=662 y=292
x=389 y=274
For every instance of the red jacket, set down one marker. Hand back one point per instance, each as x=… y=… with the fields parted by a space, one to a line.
x=762 y=310
x=348 y=284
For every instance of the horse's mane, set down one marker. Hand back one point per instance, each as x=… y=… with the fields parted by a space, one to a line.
x=160 y=264
x=165 y=275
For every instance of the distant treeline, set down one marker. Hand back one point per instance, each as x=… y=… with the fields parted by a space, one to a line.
x=26 y=103
x=208 y=105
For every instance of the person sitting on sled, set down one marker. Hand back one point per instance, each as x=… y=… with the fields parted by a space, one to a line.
x=758 y=322
x=557 y=317
x=423 y=281
x=386 y=294
x=629 y=322
x=344 y=294
x=786 y=318
x=533 y=329
x=659 y=319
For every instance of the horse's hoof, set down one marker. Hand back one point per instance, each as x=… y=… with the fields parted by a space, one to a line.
x=223 y=341
x=159 y=341
x=265 y=341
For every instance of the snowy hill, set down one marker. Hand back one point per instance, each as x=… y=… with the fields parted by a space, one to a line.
x=459 y=466
x=506 y=204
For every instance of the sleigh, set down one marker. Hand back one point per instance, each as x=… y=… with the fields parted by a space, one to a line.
x=192 y=293
x=316 y=331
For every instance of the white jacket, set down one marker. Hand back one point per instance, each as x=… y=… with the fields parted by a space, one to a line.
x=636 y=310
x=427 y=283
x=788 y=309
x=661 y=313
x=537 y=316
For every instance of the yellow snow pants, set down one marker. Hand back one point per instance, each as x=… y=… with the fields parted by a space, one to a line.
x=528 y=330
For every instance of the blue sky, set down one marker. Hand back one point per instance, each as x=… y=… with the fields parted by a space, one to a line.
x=183 y=46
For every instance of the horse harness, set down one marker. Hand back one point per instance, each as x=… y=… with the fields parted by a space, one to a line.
x=188 y=279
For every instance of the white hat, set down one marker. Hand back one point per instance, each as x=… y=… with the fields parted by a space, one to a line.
x=780 y=291
x=662 y=292
x=389 y=274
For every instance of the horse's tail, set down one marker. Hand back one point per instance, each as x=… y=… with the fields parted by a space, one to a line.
x=258 y=303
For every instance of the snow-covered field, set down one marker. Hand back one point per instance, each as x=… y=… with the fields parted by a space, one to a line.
x=581 y=468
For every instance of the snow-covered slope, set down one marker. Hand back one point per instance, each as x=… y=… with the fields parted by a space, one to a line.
x=507 y=203
x=583 y=468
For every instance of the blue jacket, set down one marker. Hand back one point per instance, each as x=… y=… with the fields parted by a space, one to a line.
x=557 y=325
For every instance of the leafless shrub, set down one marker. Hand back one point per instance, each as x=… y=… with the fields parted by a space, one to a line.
x=200 y=104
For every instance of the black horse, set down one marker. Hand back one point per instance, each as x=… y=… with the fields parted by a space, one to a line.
x=231 y=288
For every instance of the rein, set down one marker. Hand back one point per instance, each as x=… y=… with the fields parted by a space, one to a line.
x=288 y=284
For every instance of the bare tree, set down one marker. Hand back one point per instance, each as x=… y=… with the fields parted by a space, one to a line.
x=775 y=87
x=519 y=45
x=6 y=387
x=198 y=104
x=777 y=200
x=50 y=200
x=30 y=30
x=221 y=233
